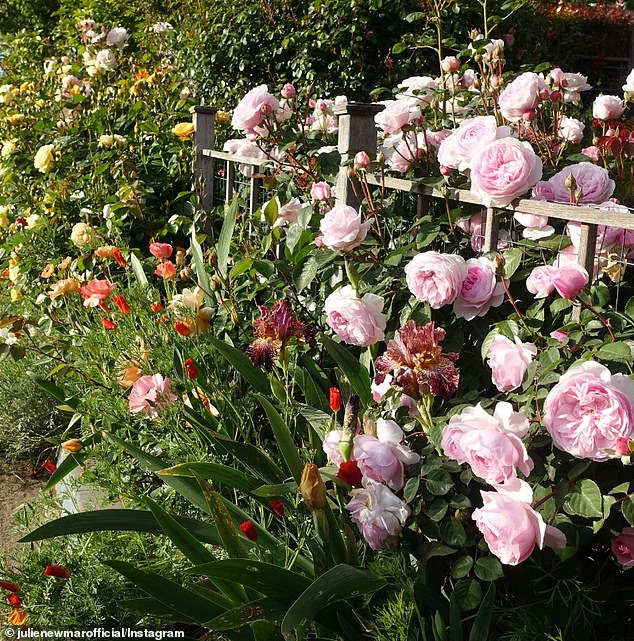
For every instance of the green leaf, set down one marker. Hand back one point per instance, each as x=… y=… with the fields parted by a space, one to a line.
x=307 y=274
x=351 y=367
x=619 y=351
x=488 y=568
x=584 y=499
x=117 y=520
x=55 y=391
x=240 y=361
x=260 y=609
x=468 y=593
x=482 y=623
x=284 y=439
x=199 y=263
x=226 y=233
x=272 y=491
x=627 y=507
x=455 y=620
x=439 y=482
x=149 y=605
x=216 y=472
x=461 y=567
x=137 y=269
x=513 y=259
x=453 y=532
x=337 y=584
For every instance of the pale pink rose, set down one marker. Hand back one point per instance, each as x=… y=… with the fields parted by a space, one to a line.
x=509 y=361
x=382 y=458
x=117 y=37
x=288 y=212
x=105 y=60
x=149 y=393
x=628 y=87
x=589 y=409
x=436 y=278
x=592 y=152
x=343 y=229
x=511 y=527
x=607 y=237
x=288 y=91
x=357 y=321
x=623 y=547
x=540 y=281
x=592 y=180
x=405 y=154
x=450 y=64
x=320 y=191
x=161 y=250
x=474 y=227
x=96 y=291
x=571 y=129
x=570 y=256
x=459 y=148
x=378 y=513
x=254 y=108
x=248 y=149
x=543 y=191
x=417 y=91
x=331 y=447
x=556 y=77
x=490 y=445
x=520 y=96
x=396 y=115
x=480 y=290
x=607 y=107
x=569 y=280
x=622 y=446
x=574 y=85
x=504 y=170
x=535 y=226
x=559 y=335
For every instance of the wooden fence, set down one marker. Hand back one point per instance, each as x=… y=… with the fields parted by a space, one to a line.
x=357 y=132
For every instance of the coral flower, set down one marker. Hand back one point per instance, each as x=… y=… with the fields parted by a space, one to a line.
x=57 y=571
x=161 y=250
x=182 y=328
x=150 y=393
x=96 y=291
x=166 y=270
x=73 y=445
x=248 y=529
x=156 y=307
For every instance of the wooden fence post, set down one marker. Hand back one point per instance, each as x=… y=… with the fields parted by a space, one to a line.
x=204 y=119
x=491 y=229
x=586 y=256
x=357 y=132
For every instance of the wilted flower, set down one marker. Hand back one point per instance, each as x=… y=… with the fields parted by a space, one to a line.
x=417 y=363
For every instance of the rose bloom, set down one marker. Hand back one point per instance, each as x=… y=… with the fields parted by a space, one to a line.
x=253 y=108
x=607 y=107
x=589 y=409
x=623 y=547
x=591 y=152
x=382 y=458
x=396 y=115
x=96 y=291
x=82 y=234
x=511 y=527
x=9 y=147
x=540 y=281
x=504 y=170
x=521 y=96
x=117 y=37
x=480 y=290
x=342 y=228
x=378 y=513
x=509 y=361
x=457 y=150
x=535 y=226
x=105 y=60
x=571 y=129
x=320 y=191
x=150 y=393
x=594 y=182
x=161 y=250
x=569 y=280
x=64 y=288
x=44 y=158
x=357 y=321
x=183 y=130
x=490 y=445
x=288 y=212
x=436 y=278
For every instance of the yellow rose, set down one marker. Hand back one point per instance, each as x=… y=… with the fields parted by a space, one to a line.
x=106 y=141
x=9 y=147
x=183 y=130
x=44 y=159
x=39 y=103
x=15 y=119
x=82 y=234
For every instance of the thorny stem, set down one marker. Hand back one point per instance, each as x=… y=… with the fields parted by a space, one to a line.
x=605 y=321
x=515 y=307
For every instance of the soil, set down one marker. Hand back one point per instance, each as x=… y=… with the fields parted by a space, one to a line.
x=17 y=487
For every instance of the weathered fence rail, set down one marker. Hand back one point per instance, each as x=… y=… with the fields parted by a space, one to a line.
x=357 y=132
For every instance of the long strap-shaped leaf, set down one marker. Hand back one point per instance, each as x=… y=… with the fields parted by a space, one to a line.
x=260 y=609
x=356 y=373
x=254 y=376
x=216 y=472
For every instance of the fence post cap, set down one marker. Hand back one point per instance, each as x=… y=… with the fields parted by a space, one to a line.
x=358 y=108
x=203 y=109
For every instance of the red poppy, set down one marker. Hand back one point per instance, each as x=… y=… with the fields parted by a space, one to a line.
x=190 y=368
x=14 y=600
x=10 y=587
x=156 y=307
x=248 y=529
x=335 y=399
x=122 y=304
x=108 y=324
x=118 y=256
x=350 y=473
x=57 y=571
x=49 y=466
x=278 y=507
x=182 y=328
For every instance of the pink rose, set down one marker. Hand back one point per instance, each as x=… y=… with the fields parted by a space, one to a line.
x=378 y=513
x=96 y=291
x=253 y=109
x=490 y=445
x=382 y=458
x=559 y=335
x=117 y=37
x=480 y=290
x=520 y=96
x=569 y=280
x=473 y=227
x=320 y=191
x=592 y=152
x=342 y=228
x=161 y=250
x=504 y=170
x=589 y=409
x=361 y=160
x=607 y=107
x=511 y=527
x=543 y=191
x=540 y=281
x=288 y=91
x=405 y=154
x=357 y=321
x=458 y=149
x=536 y=226
x=571 y=129
x=288 y=212
x=149 y=393
x=396 y=115
x=592 y=180
x=450 y=64
x=509 y=361
x=436 y=278
x=623 y=547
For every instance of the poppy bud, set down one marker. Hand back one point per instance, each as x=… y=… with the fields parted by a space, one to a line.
x=49 y=466
x=350 y=473
x=312 y=488
x=335 y=399
x=121 y=303
x=14 y=600
x=73 y=445
x=118 y=256
x=190 y=368
x=108 y=324
x=57 y=571
x=182 y=328
x=156 y=307
x=278 y=507
x=10 y=587
x=248 y=529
